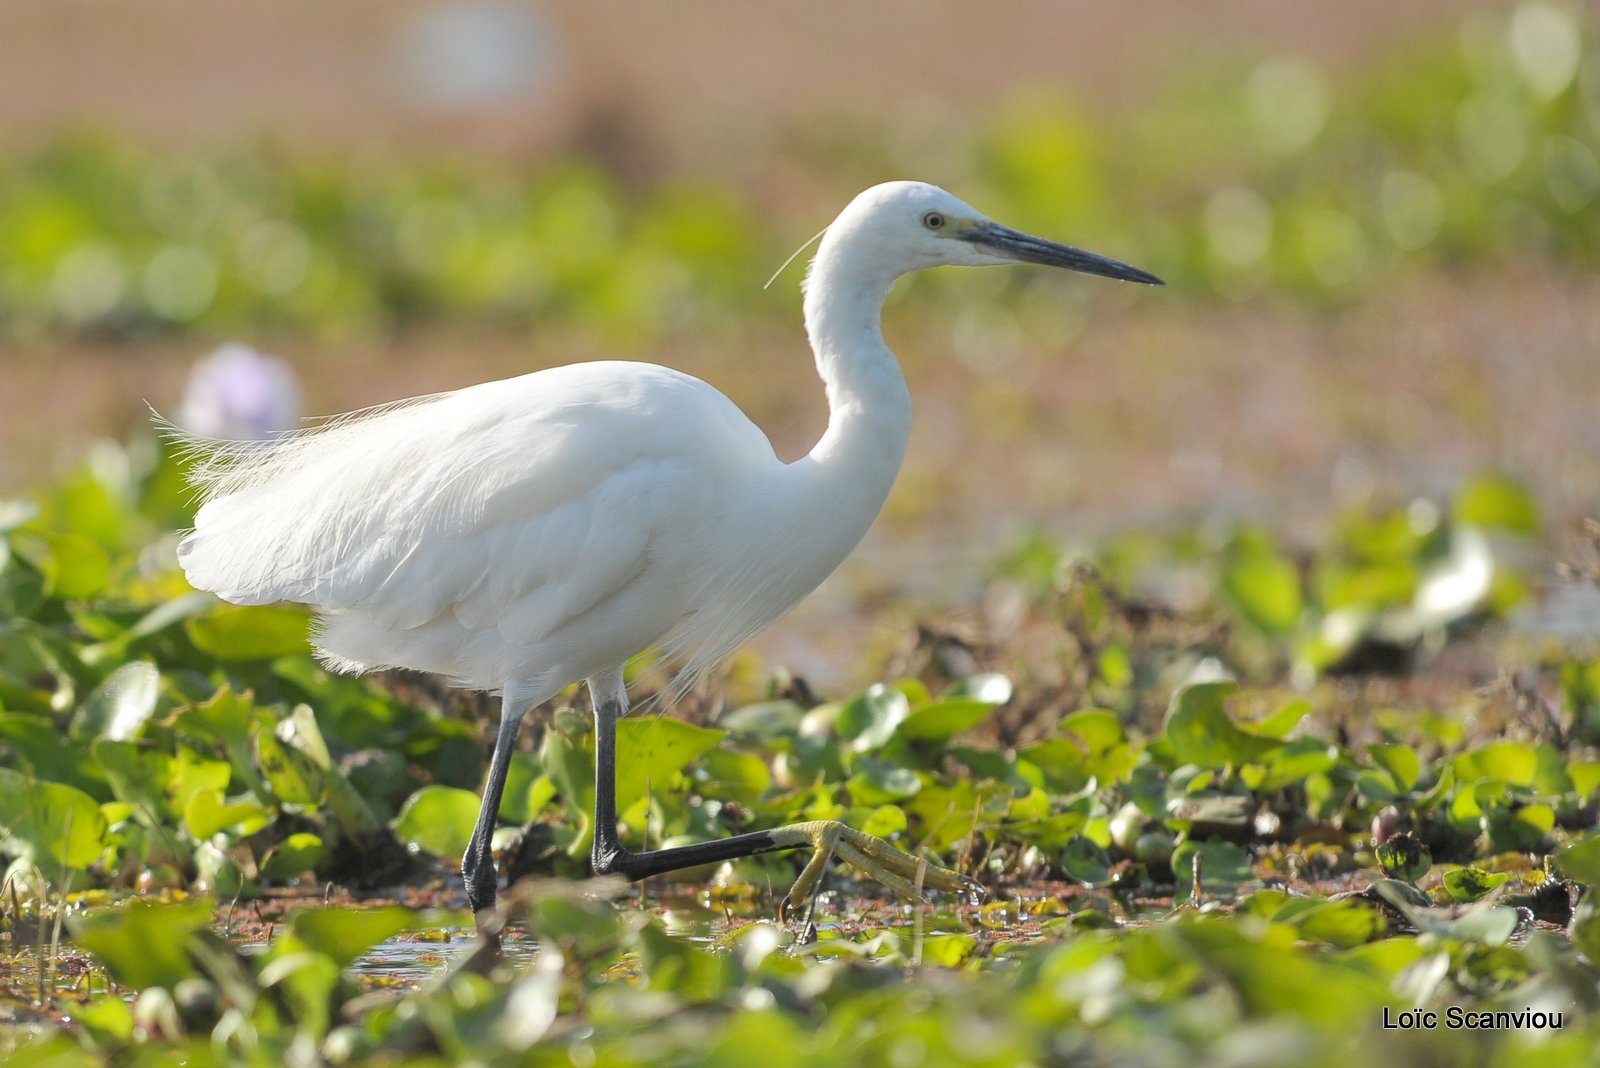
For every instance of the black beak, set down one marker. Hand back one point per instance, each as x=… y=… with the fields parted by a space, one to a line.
x=1025 y=248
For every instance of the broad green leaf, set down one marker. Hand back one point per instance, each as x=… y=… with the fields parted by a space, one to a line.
x=230 y=632
x=137 y=776
x=1581 y=861
x=1062 y=762
x=343 y=934
x=1400 y=761
x=1496 y=502
x=47 y=753
x=1512 y=762
x=945 y=815
x=731 y=775
x=156 y=783
x=868 y=722
x=877 y=783
x=1265 y=588
x=1285 y=719
x=1051 y=832
x=300 y=852
x=886 y=821
x=1296 y=761
x=1223 y=865
x=768 y=719
x=1469 y=884
x=652 y=749
x=521 y=775
x=230 y=720
x=73 y=565
x=1404 y=856
x=207 y=813
x=438 y=820
x=49 y=824
x=1085 y=861
x=1200 y=732
x=1343 y=924
x=292 y=778
x=1585 y=929
x=1096 y=728
x=948 y=950
x=143 y=943
x=120 y=706
x=942 y=720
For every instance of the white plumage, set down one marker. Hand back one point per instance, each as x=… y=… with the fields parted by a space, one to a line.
x=524 y=534
x=548 y=525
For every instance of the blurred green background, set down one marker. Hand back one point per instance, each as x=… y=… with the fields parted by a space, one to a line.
x=1380 y=224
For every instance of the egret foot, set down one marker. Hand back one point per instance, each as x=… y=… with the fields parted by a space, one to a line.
x=871 y=856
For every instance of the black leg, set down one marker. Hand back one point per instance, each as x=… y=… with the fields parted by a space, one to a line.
x=828 y=838
x=477 y=866
x=610 y=858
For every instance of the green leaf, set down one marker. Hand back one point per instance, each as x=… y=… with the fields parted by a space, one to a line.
x=1200 y=732
x=296 y=854
x=143 y=944
x=1062 y=762
x=868 y=722
x=229 y=720
x=231 y=632
x=1469 y=884
x=138 y=776
x=734 y=776
x=886 y=821
x=1097 y=728
x=1265 y=588
x=942 y=720
x=1223 y=865
x=652 y=749
x=47 y=753
x=73 y=565
x=521 y=776
x=877 y=783
x=1296 y=761
x=207 y=813
x=292 y=777
x=1497 y=502
x=1585 y=929
x=49 y=824
x=1404 y=856
x=1343 y=924
x=1581 y=860
x=948 y=950
x=120 y=706
x=1285 y=719
x=438 y=820
x=1512 y=762
x=768 y=719
x=1400 y=761
x=1085 y=861
x=343 y=934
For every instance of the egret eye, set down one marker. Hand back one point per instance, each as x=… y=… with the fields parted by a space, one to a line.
x=933 y=220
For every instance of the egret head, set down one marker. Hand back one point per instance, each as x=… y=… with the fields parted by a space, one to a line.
x=905 y=226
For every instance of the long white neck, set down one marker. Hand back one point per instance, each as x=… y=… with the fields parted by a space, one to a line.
x=869 y=407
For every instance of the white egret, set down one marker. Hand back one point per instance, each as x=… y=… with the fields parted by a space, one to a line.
x=526 y=534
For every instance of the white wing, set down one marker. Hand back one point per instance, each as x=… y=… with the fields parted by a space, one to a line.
x=514 y=505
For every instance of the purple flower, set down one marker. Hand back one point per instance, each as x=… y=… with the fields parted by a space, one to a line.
x=240 y=394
